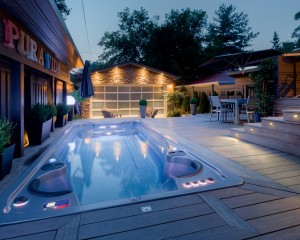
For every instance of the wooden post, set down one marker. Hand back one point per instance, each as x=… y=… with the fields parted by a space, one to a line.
x=65 y=92
x=17 y=105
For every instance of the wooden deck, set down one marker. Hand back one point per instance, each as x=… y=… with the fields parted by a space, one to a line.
x=266 y=206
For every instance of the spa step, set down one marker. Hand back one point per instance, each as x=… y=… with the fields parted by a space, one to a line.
x=291 y=148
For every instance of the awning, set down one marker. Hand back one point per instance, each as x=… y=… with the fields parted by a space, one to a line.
x=238 y=61
x=216 y=79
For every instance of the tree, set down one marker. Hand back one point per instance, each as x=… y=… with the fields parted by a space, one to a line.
x=264 y=86
x=288 y=46
x=128 y=43
x=176 y=45
x=229 y=33
x=276 y=42
x=63 y=8
x=296 y=33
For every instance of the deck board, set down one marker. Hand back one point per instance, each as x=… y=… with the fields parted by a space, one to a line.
x=26 y=228
x=135 y=209
x=230 y=192
x=269 y=191
x=229 y=216
x=69 y=230
x=168 y=230
x=280 y=175
x=218 y=233
x=292 y=233
x=289 y=181
x=44 y=236
x=249 y=199
x=276 y=169
x=277 y=221
x=268 y=208
x=144 y=220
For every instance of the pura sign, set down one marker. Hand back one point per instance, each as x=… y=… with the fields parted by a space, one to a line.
x=14 y=37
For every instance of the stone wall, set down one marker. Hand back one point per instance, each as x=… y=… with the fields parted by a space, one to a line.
x=85 y=109
x=130 y=74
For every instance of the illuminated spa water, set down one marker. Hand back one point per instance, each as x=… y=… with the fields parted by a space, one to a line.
x=111 y=165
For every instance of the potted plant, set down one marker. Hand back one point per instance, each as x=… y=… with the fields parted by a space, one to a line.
x=143 y=106
x=6 y=147
x=52 y=114
x=193 y=105
x=263 y=89
x=62 y=114
x=38 y=123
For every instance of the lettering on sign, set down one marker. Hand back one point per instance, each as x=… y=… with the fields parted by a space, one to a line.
x=27 y=47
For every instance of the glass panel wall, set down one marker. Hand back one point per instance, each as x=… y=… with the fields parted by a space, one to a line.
x=124 y=100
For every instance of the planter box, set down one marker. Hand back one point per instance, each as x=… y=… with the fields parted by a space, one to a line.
x=6 y=160
x=38 y=133
x=53 y=123
x=143 y=111
x=61 y=120
x=193 y=109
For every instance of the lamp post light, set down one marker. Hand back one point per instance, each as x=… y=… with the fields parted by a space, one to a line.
x=70 y=103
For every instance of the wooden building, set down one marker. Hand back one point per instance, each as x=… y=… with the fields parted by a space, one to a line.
x=36 y=55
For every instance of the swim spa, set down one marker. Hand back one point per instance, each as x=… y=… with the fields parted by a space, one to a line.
x=98 y=165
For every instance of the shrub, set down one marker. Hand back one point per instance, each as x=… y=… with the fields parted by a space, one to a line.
x=38 y=113
x=203 y=104
x=185 y=104
x=62 y=109
x=52 y=110
x=143 y=102
x=193 y=101
x=174 y=113
x=264 y=87
x=6 y=131
x=77 y=116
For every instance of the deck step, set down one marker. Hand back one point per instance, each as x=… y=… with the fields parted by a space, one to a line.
x=291 y=115
x=287 y=147
x=280 y=125
x=271 y=131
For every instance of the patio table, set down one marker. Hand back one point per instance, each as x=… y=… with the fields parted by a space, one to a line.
x=236 y=102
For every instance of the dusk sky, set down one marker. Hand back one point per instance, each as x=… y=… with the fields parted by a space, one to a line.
x=265 y=16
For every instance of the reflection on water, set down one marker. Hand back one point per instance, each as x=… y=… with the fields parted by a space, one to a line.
x=111 y=167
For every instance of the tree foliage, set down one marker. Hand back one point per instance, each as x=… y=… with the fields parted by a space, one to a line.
x=128 y=43
x=229 y=33
x=264 y=86
x=296 y=33
x=63 y=8
x=276 y=42
x=176 y=45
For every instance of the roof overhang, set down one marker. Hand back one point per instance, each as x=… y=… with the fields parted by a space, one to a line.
x=43 y=19
x=136 y=65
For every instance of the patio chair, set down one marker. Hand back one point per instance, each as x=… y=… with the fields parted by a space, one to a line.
x=249 y=108
x=154 y=113
x=217 y=107
x=149 y=111
x=107 y=114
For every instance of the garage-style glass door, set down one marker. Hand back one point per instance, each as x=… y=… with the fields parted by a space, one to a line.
x=124 y=99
